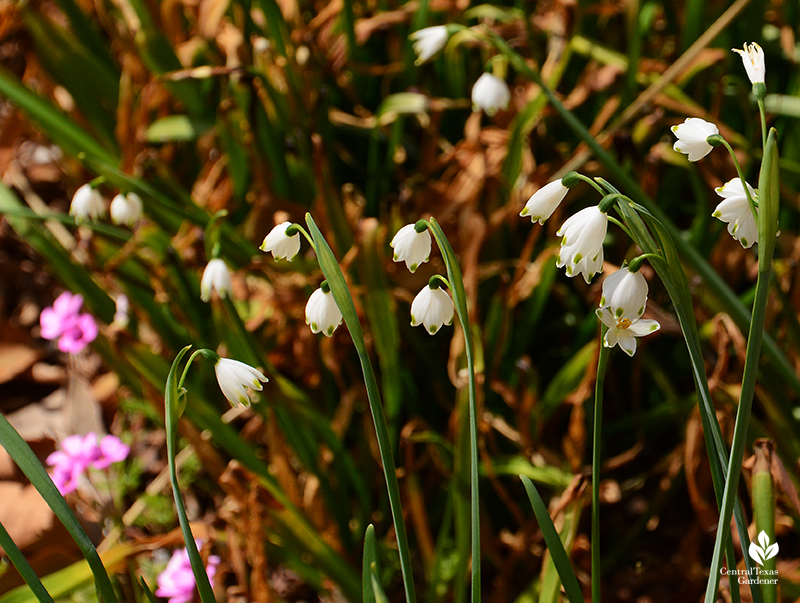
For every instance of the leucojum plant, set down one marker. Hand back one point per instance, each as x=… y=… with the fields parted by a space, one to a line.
x=751 y=215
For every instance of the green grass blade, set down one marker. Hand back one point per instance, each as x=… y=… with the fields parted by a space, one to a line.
x=554 y=545
x=26 y=460
x=59 y=128
x=370 y=565
x=341 y=294
x=23 y=567
x=172 y=414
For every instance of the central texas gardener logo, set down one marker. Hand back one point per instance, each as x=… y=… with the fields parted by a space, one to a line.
x=760 y=554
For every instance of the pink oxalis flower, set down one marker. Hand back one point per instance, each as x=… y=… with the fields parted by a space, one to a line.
x=78 y=453
x=176 y=583
x=74 y=331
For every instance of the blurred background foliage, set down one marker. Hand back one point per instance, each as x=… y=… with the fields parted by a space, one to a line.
x=271 y=108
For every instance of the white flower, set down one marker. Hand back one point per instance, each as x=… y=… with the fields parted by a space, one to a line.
x=281 y=245
x=543 y=202
x=490 y=93
x=624 y=331
x=87 y=203
x=625 y=294
x=122 y=313
x=322 y=313
x=216 y=277
x=126 y=209
x=428 y=41
x=693 y=137
x=753 y=59
x=582 y=238
x=735 y=210
x=432 y=308
x=235 y=377
x=411 y=246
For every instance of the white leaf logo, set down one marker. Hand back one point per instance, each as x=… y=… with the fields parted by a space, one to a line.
x=766 y=551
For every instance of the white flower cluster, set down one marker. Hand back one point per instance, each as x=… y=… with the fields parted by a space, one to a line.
x=88 y=204
x=432 y=307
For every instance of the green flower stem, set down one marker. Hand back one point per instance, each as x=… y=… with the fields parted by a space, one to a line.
x=739 y=171
x=341 y=295
x=172 y=402
x=460 y=301
x=590 y=181
x=764 y=506
x=602 y=365
x=719 y=288
x=769 y=196
x=23 y=567
x=763 y=122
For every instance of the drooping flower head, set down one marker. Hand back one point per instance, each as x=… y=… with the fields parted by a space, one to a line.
x=428 y=41
x=490 y=93
x=544 y=202
x=625 y=294
x=280 y=244
x=322 y=313
x=735 y=210
x=78 y=453
x=582 y=238
x=621 y=308
x=176 y=583
x=63 y=321
x=432 y=307
x=411 y=247
x=126 y=209
x=693 y=137
x=87 y=204
x=753 y=59
x=235 y=377
x=216 y=277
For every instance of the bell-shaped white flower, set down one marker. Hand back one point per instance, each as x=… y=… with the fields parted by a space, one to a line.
x=693 y=137
x=490 y=93
x=543 y=202
x=87 y=204
x=411 y=247
x=322 y=313
x=126 y=209
x=624 y=331
x=735 y=210
x=429 y=41
x=753 y=59
x=582 y=238
x=280 y=244
x=625 y=294
x=235 y=377
x=432 y=308
x=216 y=277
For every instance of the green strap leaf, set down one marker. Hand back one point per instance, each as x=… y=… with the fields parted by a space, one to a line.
x=553 y=542
x=23 y=567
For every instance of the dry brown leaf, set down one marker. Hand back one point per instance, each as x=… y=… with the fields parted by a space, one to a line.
x=16 y=358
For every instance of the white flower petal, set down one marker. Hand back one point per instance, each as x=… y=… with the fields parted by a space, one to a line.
x=490 y=93
x=216 y=277
x=693 y=137
x=322 y=313
x=582 y=243
x=753 y=60
x=429 y=41
x=87 y=203
x=126 y=209
x=432 y=308
x=543 y=202
x=235 y=377
x=412 y=247
x=279 y=244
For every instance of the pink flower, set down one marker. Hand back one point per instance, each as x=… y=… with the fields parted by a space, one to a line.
x=74 y=331
x=176 y=582
x=78 y=453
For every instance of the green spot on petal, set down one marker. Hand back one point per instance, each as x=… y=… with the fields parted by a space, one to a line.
x=618 y=313
x=578 y=257
x=433 y=329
